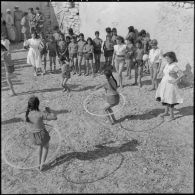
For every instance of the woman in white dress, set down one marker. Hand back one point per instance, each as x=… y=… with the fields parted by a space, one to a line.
x=120 y=51
x=167 y=91
x=34 y=55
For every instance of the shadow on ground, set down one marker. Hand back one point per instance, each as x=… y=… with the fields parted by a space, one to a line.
x=101 y=152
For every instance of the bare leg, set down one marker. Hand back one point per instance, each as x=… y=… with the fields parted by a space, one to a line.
x=75 y=64
x=40 y=155
x=136 y=73
x=92 y=68
x=50 y=60
x=10 y=85
x=80 y=58
x=87 y=68
x=152 y=76
x=171 y=114
x=54 y=62
x=128 y=67
x=140 y=70
x=44 y=156
x=45 y=62
x=166 y=112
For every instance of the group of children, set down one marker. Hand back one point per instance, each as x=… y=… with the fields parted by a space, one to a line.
x=137 y=52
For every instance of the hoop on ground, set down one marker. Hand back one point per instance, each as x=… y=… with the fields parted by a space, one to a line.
x=24 y=139
x=102 y=115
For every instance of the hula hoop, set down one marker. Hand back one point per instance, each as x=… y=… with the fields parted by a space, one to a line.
x=102 y=115
x=17 y=167
x=98 y=179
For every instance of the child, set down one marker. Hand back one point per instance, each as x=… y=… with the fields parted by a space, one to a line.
x=73 y=49
x=43 y=50
x=5 y=42
x=167 y=91
x=155 y=60
x=108 y=48
x=130 y=56
x=114 y=35
x=89 y=50
x=97 y=42
x=112 y=95
x=39 y=134
x=65 y=74
x=108 y=31
x=81 y=44
x=62 y=49
x=52 y=48
x=68 y=40
x=139 y=52
x=56 y=33
x=5 y=56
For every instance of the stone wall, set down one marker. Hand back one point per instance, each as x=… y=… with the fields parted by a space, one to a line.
x=67 y=15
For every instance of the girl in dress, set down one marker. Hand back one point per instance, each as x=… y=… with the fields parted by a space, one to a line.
x=167 y=91
x=112 y=96
x=120 y=51
x=89 y=51
x=34 y=55
x=39 y=134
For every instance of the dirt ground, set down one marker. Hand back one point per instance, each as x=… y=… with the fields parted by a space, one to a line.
x=140 y=154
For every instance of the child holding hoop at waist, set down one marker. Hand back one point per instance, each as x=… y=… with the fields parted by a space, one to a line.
x=112 y=96
x=39 y=135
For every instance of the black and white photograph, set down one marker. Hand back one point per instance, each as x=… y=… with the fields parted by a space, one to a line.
x=97 y=97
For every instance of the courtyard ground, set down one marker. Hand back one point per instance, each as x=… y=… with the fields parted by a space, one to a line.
x=140 y=154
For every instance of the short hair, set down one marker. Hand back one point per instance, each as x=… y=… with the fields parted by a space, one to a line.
x=139 y=42
x=171 y=55
x=97 y=32
x=114 y=29
x=70 y=30
x=67 y=37
x=25 y=14
x=90 y=39
x=131 y=29
x=108 y=30
x=31 y=9
x=142 y=32
x=37 y=8
x=121 y=38
x=81 y=34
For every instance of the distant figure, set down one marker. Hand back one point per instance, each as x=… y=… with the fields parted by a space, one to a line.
x=65 y=73
x=120 y=52
x=71 y=33
x=39 y=21
x=167 y=91
x=73 y=49
x=39 y=134
x=32 y=19
x=108 y=48
x=6 y=60
x=112 y=96
x=56 y=33
x=18 y=14
x=97 y=42
x=114 y=35
x=155 y=60
x=81 y=45
x=130 y=56
x=3 y=26
x=131 y=34
x=52 y=50
x=10 y=26
x=25 y=26
x=89 y=52
x=34 y=55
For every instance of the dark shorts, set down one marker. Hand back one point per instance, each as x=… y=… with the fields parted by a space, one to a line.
x=81 y=54
x=40 y=138
x=73 y=55
x=97 y=52
x=108 y=53
x=66 y=75
x=166 y=104
x=89 y=56
x=43 y=52
x=139 y=63
x=113 y=99
x=52 y=53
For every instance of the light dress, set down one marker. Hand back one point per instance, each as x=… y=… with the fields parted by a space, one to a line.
x=34 y=56
x=167 y=92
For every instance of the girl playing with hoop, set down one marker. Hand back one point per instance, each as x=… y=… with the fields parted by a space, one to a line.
x=40 y=135
x=112 y=96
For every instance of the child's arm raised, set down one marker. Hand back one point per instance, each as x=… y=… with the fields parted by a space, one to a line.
x=48 y=115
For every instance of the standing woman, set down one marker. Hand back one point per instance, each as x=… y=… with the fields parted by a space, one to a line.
x=10 y=25
x=120 y=51
x=34 y=55
x=112 y=96
x=25 y=26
